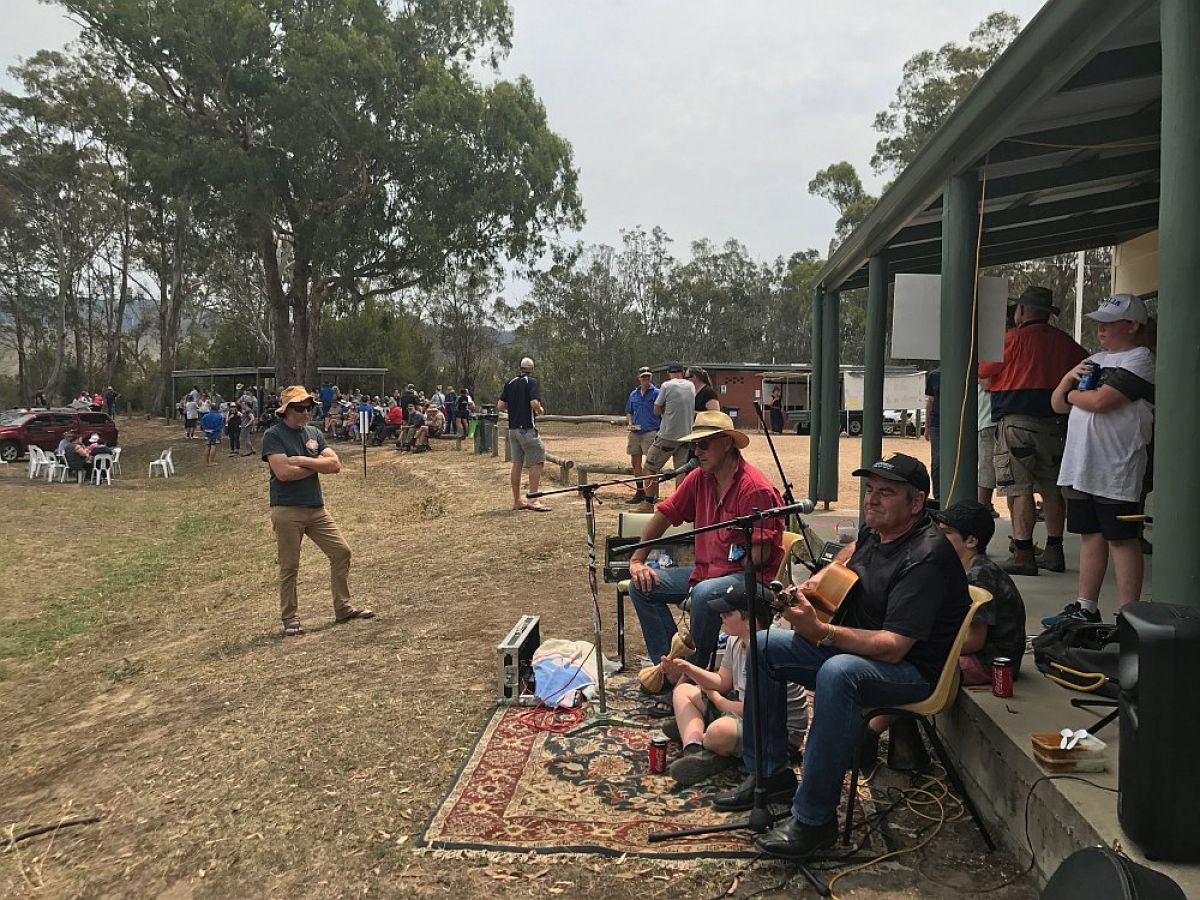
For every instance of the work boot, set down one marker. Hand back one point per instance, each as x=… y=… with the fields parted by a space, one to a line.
x=1022 y=562
x=637 y=498
x=779 y=787
x=906 y=747
x=797 y=841
x=1051 y=559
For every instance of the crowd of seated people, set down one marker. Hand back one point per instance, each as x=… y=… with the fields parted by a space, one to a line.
x=80 y=455
x=405 y=416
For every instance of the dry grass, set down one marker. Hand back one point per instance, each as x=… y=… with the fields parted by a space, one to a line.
x=141 y=678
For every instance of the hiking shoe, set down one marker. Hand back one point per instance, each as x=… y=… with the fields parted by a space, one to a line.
x=1073 y=610
x=1051 y=559
x=697 y=764
x=637 y=498
x=1022 y=562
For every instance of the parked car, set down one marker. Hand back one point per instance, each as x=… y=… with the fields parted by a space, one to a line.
x=899 y=422
x=19 y=428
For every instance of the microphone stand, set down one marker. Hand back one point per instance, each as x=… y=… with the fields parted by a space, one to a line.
x=602 y=717
x=760 y=818
x=788 y=497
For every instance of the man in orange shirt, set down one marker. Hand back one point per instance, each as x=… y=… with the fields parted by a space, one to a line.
x=1030 y=436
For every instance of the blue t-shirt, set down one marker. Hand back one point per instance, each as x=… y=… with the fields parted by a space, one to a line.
x=327 y=395
x=212 y=423
x=640 y=407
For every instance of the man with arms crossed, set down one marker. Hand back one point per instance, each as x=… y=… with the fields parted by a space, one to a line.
x=886 y=647
x=298 y=456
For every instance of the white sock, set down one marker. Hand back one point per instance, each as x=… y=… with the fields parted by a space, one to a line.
x=1089 y=605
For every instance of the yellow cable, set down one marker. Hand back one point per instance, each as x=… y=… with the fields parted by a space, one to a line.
x=974 y=339
x=941 y=820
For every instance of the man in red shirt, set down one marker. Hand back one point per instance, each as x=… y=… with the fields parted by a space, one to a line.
x=724 y=487
x=1030 y=435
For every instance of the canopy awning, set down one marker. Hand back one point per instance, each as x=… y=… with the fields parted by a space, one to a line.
x=1064 y=133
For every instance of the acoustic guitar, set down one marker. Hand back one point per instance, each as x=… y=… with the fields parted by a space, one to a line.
x=830 y=587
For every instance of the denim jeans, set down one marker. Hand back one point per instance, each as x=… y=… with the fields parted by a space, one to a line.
x=658 y=622
x=844 y=684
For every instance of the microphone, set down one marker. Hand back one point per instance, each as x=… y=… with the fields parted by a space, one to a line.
x=692 y=463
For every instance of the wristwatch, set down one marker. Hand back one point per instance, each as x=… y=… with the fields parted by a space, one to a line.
x=827 y=641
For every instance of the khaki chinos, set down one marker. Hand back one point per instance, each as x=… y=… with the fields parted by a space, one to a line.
x=291 y=524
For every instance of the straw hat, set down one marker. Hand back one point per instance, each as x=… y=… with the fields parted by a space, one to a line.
x=711 y=423
x=297 y=393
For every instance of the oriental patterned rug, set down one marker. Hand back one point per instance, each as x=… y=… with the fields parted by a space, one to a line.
x=523 y=790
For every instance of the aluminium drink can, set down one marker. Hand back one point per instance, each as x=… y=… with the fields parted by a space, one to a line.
x=658 y=755
x=1002 y=677
x=1091 y=378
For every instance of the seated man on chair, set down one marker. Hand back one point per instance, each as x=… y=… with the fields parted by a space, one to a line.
x=723 y=487
x=886 y=646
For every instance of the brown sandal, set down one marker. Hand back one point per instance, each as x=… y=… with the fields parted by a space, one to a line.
x=355 y=613
x=292 y=628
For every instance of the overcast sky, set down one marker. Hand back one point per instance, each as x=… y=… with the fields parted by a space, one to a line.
x=706 y=117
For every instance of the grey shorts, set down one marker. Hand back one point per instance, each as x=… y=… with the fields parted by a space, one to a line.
x=987 y=452
x=662 y=450
x=638 y=443
x=525 y=447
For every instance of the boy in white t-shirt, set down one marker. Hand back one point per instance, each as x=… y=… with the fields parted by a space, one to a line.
x=708 y=705
x=1104 y=460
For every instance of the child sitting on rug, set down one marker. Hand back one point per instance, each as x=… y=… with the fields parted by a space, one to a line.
x=708 y=705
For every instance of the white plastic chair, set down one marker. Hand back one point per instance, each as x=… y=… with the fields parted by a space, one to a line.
x=102 y=468
x=37 y=460
x=57 y=464
x=163 y=464
x=116 y=455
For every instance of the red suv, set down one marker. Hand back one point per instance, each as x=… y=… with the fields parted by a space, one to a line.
x=45 y=427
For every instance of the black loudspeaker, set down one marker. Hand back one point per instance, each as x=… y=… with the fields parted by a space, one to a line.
x=1098 y=873
x=1159 y=779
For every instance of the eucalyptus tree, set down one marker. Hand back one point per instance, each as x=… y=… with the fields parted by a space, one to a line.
x=351 y=143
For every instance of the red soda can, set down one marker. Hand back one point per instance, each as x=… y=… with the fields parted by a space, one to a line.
x=658 y=755
x=1002 y=674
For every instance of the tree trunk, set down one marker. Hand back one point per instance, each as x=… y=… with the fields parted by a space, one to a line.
x=112 y=356
x=170 y=312
x=281 y=324
x=54 y=379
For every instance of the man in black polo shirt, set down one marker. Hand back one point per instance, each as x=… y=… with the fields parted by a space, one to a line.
x=298 y=456
x=885 y=647
x=521 y=398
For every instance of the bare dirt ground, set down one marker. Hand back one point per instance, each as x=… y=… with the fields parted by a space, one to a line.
x=142 y=680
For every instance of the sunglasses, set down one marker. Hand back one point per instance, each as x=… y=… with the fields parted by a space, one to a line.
x=301 y=407
x=705 y=443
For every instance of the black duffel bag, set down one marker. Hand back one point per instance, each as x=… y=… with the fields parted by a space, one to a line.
x=1098 y=873
x=1081 y=656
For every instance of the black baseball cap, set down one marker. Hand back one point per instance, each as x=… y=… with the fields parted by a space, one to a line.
x=732 y=599
x=970 y=518
x=899 y=467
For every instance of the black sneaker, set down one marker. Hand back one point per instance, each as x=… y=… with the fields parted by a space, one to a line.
x=697 y=764
x=780 y=787
x=1073 y=610
x=795 y=840
x=670 y=730
x=637 y=498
